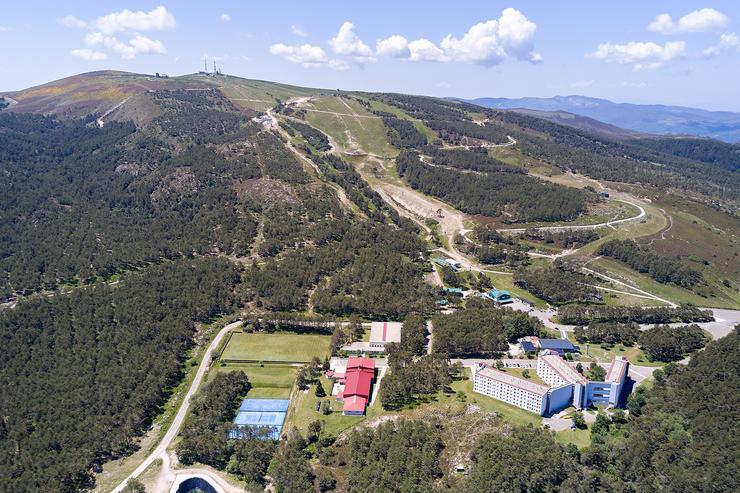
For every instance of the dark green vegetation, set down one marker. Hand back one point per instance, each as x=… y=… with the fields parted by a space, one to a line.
x=511 y=194
x=563 y=239
x=402 y=133
x=480 y=330
x=571 y=149
x=365 y=280
x=608 y=333
x=474 y=159
x=205 y=435
x=607 y=159
x=683 y=433
x=115 y=199
x=720 y=154
x=402 y=456
x=414 y=334
x=662 y=269
x=410 y=378
x=664 y=343
x=584 y=314
x=313 y=137
x=669 y=442
x=81 y=375
x=558 y=284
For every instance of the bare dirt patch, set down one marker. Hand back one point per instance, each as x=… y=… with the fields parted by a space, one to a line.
x=267 y=191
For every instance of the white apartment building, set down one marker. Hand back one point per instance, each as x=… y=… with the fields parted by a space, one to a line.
x=508 y=388
x=565 y=386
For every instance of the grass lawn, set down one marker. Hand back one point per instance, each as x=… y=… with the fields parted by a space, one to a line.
x=268 y=381
x=634 y=354
x=507 y=412
x=365 y=130
x=580 y=438
x=278 y=346
x=620 y=271
x=506 y=282
x=519 y=372
x=302 y=411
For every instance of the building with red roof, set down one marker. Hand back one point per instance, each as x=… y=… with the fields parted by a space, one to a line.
x=358 y=382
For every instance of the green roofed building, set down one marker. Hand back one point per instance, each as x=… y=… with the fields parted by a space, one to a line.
x=500 y=296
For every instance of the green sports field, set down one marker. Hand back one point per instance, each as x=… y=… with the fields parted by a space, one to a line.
x=284 y=347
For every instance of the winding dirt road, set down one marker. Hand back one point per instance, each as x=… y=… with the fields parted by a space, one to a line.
x=161 y=451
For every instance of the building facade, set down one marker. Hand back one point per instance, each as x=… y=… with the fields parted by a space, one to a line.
x=508 y=388
x=564 y=385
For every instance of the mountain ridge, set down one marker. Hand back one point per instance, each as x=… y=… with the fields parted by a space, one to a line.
x=646 y=118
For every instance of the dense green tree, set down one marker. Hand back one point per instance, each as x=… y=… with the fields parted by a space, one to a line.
x=82 y=374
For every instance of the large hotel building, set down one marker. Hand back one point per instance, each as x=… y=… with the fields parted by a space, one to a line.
x=565 y=386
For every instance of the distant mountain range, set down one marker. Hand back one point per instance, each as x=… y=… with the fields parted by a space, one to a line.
x=646 y=118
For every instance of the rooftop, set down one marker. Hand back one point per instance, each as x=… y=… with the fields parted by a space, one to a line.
x=558 y=344
x=385 y=332
x=265 y=405
x=355 y=403
x=508 y=379
x=562 y=368
x=617 y=370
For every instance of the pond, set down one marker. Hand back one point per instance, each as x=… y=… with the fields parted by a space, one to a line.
x=196 y=485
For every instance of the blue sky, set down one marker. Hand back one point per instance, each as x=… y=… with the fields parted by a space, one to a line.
x=676 y=52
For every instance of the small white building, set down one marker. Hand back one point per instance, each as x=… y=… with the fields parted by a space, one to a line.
x=382 y=333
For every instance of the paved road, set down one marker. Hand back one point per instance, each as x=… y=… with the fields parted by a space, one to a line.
x=161 y=451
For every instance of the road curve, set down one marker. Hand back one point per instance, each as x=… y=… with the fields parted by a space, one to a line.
x=584 y=226
x=161 y=449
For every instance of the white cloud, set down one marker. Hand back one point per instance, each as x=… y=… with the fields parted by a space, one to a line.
x=100 y=33
x=88 y=54
x=395 y=47
x=640 y=55
x=727 y=41
x=443 y=85
x=296 y=29
x=138 y=45
x=347 y=43
x=157 y=19
x=705 y=19
x=633 y=84
x=309 y=56
x=423 y=50
x=73 y=22
x=225 y=17
x=486 y=43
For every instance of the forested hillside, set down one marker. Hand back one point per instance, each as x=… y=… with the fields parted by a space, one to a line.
x=516 y=196
x=81 y=375
x=113 y=198
x=708 y=168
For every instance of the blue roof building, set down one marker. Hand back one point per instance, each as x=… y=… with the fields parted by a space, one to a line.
x=528 y=347
x=260 y=415
x=561 y=346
